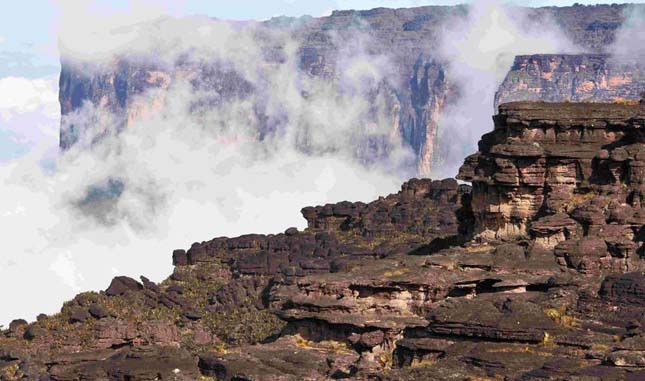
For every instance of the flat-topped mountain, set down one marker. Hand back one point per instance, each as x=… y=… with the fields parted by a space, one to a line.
x=533 y=270
x=398 y=48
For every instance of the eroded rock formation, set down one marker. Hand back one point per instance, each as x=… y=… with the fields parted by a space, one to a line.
x=568 y=176
x=573 y=78
x=536 y=272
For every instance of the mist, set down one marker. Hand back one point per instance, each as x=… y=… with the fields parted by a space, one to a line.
x=179 y=187
x=192 y=165
x=480 y=50
x=630 y=38
x=180 y=173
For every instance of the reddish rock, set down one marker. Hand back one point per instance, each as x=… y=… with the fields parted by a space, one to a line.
x=291 y=231
x=79 y=316
x=33 y=332
x=439 y=281
x=17 y=327
x=626 y=288
x=372 y=338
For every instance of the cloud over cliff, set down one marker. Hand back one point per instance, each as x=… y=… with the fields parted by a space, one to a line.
x=194 y=160
x=630 y=38
x=26 y=111
x=190 y=166
x=480 y=50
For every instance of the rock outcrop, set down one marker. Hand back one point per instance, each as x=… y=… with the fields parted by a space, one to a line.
x=220 y=294
x=567 y=176
x=536 y=272
x=413 y=89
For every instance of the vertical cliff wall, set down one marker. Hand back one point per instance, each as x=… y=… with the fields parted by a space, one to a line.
x=575 y=78
x=413 y=89
x=570 y=176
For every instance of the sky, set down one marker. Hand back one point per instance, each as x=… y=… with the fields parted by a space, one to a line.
x=28 y=43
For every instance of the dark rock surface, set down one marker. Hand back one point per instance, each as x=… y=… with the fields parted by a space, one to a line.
x=122 y=284
x=568 y=176
x=626 y=288
x=534 y=273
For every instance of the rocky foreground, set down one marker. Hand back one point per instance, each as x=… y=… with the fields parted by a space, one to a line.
x=533 y=273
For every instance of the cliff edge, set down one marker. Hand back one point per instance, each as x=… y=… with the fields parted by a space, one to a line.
x=534 y=272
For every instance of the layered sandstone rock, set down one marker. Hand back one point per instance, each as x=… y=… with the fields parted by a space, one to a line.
x=568 y=176
x=220 y=294
x=534 y=273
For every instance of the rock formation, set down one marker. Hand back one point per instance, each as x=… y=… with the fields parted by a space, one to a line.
x=562 y=181
x=573 y=78
x=415 y=88
x=534 y=272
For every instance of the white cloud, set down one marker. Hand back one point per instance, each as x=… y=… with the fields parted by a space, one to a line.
x=65 y=267
x=22 y=95
x=176 y=193
x=188 y=175
x=96 y=33
x=480 y=50
x=29 y=111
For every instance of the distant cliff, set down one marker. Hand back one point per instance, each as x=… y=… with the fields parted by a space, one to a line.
x=575 y=78
x=411 y=97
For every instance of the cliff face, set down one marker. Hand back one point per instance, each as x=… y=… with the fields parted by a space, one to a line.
x=575 y=78
x=569 y=176
x=413 y=92
x=536 y=272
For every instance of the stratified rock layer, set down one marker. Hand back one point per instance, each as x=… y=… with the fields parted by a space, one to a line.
x=536 y=272
x=573 y=78
x=568 y=176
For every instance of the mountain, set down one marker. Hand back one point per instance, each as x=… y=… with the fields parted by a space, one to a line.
x=533 y=272
x=412 y=88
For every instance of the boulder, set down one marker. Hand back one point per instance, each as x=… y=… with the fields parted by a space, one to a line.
x=122 y=284
x=625 y=288
x=79 y=315
x=97 y=311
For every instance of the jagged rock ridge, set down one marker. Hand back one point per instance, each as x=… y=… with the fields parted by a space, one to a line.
x=534 y=273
